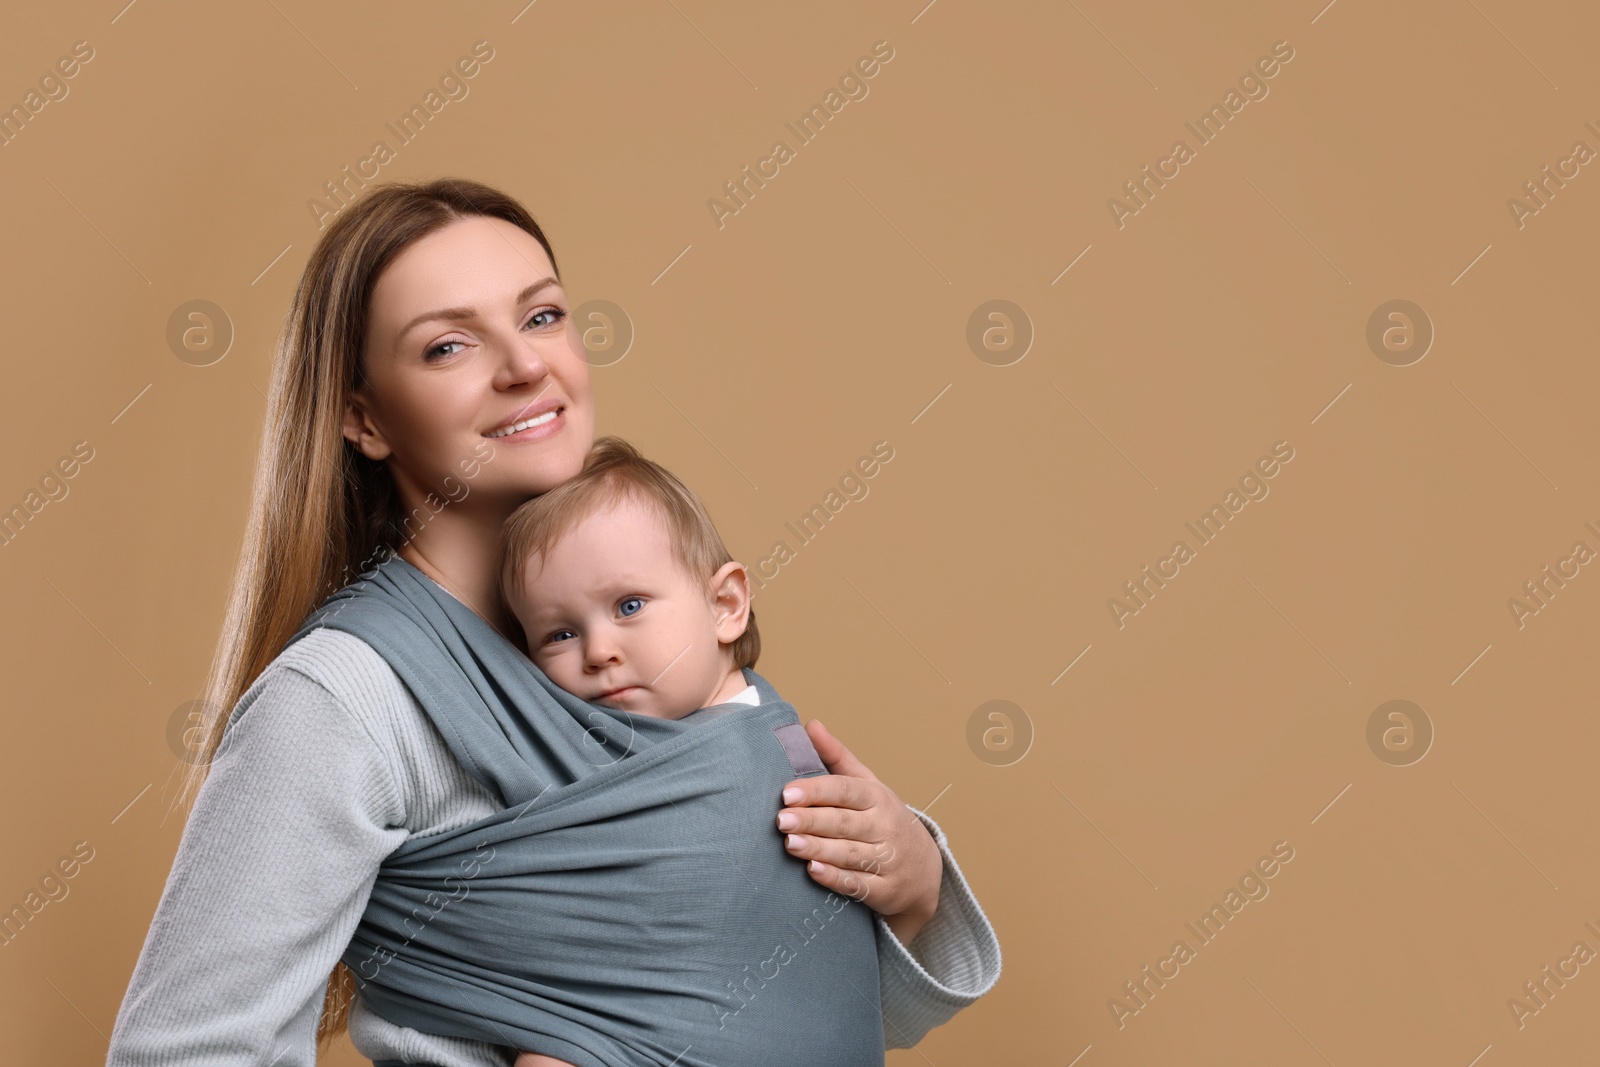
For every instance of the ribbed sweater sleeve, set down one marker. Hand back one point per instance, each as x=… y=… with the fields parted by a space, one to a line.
x=273 y=869
x=953 y=960
x=272 y=873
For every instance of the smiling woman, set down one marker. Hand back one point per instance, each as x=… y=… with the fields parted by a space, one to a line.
x=430 y=323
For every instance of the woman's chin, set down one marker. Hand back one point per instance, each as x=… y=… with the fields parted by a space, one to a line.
x=535 y=476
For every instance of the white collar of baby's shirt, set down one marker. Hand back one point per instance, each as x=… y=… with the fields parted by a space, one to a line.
x=747 y=695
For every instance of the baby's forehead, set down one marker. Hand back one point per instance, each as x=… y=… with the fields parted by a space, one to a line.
x=617 y=564
x=643 y=517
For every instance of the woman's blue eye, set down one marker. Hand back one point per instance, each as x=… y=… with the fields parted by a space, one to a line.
x=632 y=600
x=555 y=316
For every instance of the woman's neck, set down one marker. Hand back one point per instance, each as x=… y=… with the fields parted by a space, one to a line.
x=460 y=551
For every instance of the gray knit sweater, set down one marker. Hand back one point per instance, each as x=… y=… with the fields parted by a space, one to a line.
x=333 y=767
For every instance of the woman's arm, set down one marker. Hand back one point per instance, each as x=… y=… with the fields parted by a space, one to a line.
x=937 y=952
x=273 y=871
x=952 y=961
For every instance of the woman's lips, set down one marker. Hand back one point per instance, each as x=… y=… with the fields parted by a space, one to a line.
x=535 y=433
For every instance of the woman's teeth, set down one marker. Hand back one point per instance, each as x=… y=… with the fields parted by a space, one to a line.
x=523 y=425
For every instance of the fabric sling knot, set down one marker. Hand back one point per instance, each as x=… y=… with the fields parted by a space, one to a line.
x=632 y=903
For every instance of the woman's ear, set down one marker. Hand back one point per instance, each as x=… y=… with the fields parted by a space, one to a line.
x=729 y=590
x=360 y=430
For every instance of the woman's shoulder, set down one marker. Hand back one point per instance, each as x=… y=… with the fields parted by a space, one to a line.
x=352 y=671
x=327 y=670
x=435 y=790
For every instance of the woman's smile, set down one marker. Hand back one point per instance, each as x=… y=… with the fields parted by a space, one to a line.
x=531 y=427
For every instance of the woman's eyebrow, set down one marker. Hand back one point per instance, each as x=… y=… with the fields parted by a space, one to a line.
x=466 y=312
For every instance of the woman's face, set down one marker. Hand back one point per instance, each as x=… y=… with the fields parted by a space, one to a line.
x=469 y=335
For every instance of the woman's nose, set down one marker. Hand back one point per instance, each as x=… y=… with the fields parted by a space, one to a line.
x=520 y=362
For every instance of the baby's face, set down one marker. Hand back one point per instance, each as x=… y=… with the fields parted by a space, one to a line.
x=611 y=617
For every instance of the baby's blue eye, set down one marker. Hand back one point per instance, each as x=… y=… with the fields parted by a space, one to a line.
x=557 y=636
x=632 y=600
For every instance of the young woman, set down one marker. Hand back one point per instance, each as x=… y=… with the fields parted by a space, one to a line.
x=429 y=379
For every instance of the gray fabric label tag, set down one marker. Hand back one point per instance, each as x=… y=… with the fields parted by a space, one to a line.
x=798 y=747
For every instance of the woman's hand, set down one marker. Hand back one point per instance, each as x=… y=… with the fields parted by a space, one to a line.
x=861 y=840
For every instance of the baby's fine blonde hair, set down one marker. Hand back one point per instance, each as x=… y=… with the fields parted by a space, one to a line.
x=612 y=472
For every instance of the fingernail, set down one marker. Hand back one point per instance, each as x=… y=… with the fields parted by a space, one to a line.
x=792 y=795
x=794 y=841
x=814 y=867
x=788 y=820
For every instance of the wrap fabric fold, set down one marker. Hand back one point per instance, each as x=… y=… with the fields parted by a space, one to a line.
x=632 y=902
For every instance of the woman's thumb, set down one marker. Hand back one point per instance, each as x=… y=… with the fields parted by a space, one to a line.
x=838 y=759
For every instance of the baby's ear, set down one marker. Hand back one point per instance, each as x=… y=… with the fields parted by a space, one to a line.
x=729 y=590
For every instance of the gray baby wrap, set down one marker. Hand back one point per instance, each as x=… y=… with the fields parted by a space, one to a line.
x=632 y=903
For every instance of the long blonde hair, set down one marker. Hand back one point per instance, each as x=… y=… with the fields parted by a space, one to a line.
x=320 y=511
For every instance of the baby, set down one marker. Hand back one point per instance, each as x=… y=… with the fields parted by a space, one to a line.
x=627 y=595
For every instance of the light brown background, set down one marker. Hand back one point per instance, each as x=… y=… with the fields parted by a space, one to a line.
x=826 y=316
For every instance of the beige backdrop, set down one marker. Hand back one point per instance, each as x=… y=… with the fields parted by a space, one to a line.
x=1433 y=457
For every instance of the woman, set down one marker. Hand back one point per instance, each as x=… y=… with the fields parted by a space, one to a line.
x=429 y=379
